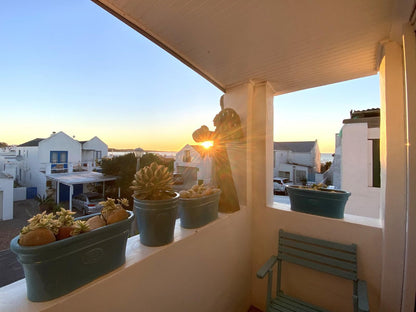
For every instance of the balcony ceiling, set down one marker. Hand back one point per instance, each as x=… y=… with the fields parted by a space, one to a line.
x=292 y=44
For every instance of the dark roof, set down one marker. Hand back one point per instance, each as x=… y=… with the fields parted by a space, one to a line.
x=372 y=112
x=297 y=147
x=370 y=116
x=34 y=142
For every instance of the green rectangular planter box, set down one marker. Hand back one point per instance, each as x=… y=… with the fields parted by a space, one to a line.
x=57 y=268
x=321 y=202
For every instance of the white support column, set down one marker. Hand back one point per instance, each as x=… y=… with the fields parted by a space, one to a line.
x=71 y=192
x=409 y=47
x=57 y=192
x=393 y=176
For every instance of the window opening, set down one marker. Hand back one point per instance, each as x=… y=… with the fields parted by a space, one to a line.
x=331 y=135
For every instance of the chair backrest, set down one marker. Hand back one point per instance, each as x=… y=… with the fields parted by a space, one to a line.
x=325 y=256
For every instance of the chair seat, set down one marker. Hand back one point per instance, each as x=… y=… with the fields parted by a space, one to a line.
x=285 y=303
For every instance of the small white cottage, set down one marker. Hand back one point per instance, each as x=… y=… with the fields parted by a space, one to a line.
x=194 y=163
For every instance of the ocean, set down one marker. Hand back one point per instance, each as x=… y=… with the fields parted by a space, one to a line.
x=326 y=157
x=161 y=153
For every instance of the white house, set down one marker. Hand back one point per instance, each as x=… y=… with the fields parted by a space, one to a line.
x=59 y=153
x=6 y=196
x=194 y=163
x=297 y=161
x=357 y=155
x=93 y=150
x=8 y=161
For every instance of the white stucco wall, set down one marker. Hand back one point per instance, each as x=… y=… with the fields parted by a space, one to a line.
x=29 y=166
x=355 y=170
x=89 y=148
x=59 y=142
x=6 y=197
x=308 y=162
x=204 y=165
x=305 y=159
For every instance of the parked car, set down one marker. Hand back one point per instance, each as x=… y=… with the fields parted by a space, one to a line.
x=88 y=202
x=279 y=185
x=178 y=178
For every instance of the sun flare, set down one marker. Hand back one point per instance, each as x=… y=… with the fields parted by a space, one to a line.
x=207 y=144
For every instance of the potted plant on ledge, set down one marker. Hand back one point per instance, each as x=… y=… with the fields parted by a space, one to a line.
x=318 y=200
x=155 y=204
x=59 y=253
x=198 y=206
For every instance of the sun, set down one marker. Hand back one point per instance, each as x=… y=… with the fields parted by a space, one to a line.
x=207 y=144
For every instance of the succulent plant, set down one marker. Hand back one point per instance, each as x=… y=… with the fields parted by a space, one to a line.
x=80 y=227
x=153 y=182
x=65 y=217
x=42 y=220
x=199 y=191
x=113 y=212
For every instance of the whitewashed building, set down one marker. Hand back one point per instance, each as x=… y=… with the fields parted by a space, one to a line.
x=298 y=161
x=6 y=196
x=93 y=150
x=194 y=162
x=59 y=153
x=356 y=166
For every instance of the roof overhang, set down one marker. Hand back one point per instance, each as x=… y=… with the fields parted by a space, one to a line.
x=82 y=177
x=292 y=44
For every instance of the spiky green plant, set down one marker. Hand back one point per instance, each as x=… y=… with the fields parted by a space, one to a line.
x=153 y=182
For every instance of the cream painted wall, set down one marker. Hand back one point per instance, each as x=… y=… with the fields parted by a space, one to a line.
x=393 y=176
x=409 y=47
x=204 y=272
x=266 y=222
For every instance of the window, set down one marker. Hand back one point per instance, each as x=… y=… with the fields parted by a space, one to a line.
x=187 y=156
x=59 y=160
x=374 y=167
x=344 y=121
x=98 y=155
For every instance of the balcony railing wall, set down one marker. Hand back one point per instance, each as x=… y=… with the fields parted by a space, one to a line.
x=49 y=168
x=203 y=270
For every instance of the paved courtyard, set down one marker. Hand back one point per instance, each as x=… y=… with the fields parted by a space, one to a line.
x=22 y=211
x=10 y=268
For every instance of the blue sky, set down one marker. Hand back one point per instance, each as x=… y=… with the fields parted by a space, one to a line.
x=318 y=113
x=70 y=66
